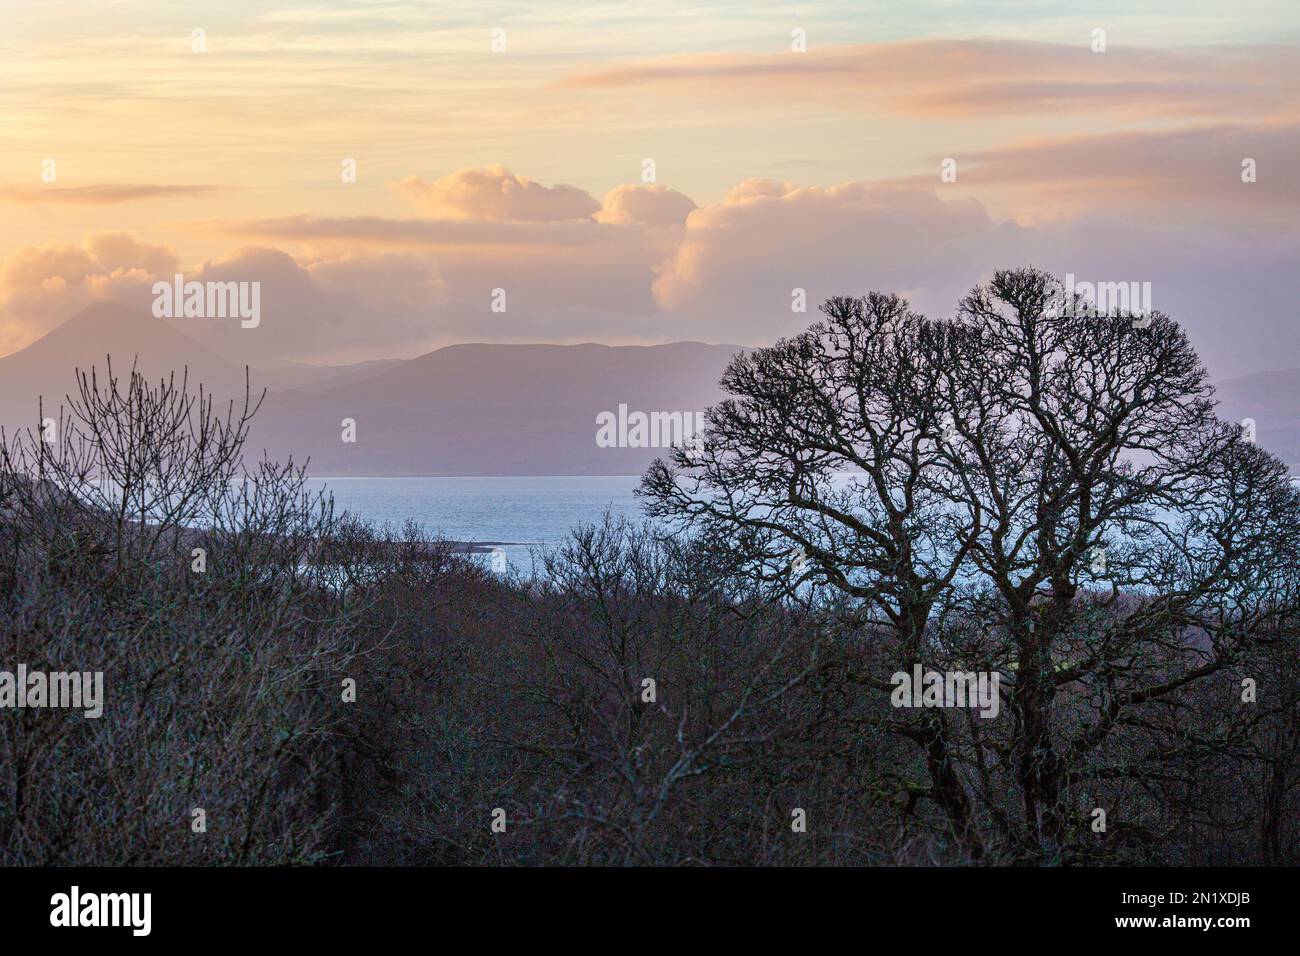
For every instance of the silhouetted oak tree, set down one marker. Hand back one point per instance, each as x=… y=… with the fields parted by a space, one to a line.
x=1027 y=488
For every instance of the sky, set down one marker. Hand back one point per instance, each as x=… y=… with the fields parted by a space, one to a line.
x=643 y=172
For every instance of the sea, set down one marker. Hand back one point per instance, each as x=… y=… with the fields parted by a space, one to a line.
x=517 y=515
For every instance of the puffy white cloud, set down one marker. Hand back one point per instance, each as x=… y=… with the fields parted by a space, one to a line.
x=335 y=305
x=743 y=257
x=1227 y=280
x=120 y=252
x=494 y=193
x=653 y=205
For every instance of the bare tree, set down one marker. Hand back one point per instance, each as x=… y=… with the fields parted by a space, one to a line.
x=135 y=542
x=1028 y=487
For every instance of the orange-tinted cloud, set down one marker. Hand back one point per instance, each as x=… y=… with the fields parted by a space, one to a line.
x=982 y=77
x=495 y=194
x=742 y=263
x=411 y=232
x=369 y=287
x=652 y=205
x=41 y=286
x=1180 y=175
x=102 y=194
x=747 y=255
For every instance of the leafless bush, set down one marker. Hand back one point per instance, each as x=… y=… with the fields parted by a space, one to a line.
x=221 y=665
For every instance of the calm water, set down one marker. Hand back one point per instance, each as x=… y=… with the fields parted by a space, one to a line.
x=528 y=512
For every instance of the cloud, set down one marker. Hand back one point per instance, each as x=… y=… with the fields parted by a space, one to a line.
x=645 y=205
x=627 y=205
x=746 y=256
x=104 y=194
x=1186 y=173
x=495 y=194
x=946 y=78
x=651 y=266
x=41 y=286
x=410 y=232
x=120 y=252
x=319 y=306
x=739 y=261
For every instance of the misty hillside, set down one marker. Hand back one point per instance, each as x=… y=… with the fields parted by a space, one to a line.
x=494 y=410
x=460 y=410
x=313 y=377
x=46 y=367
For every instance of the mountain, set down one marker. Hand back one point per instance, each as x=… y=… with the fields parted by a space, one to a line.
x=297 y=375
x=461 y=410
x=466 y=409
x=494 y=410
x=46 y=368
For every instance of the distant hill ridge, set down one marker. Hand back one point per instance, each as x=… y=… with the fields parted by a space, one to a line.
x=471 y=409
